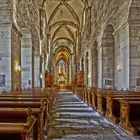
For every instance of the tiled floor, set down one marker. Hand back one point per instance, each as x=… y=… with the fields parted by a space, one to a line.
x=74 y=120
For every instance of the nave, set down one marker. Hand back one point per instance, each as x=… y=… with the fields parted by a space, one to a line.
x=59 y=114
x=91 y=47
x=72 y=119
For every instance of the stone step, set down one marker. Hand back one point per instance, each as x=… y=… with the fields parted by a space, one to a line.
x=77 y=110
x=80 y=113
x=88 y=134
x=75 y=126
x=72 y=119
x=69 y=103
x=80 y=121
x=72 y=106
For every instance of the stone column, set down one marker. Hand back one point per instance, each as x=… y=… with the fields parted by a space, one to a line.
x=33 y=79
x=56 y=70
x=79 y=43
x=73 y=68
x=42 y=71
x=48 y=50
x=26 y=60
x=90 y=71
x=5 y=57
x=100 y=79
x=36 y=67
x=41 y=74
x=78 y=49
x=134 y=58
x=48 y=42
x=70 y=71
x=93 y=68
x=15 y=58
x=121 y=37
x=85 y=71
x=10 y=57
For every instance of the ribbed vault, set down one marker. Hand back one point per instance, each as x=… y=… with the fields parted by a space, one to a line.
x=62 y=53
x=64 y=20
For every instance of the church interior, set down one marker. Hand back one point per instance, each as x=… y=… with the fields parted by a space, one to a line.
x=69 y=69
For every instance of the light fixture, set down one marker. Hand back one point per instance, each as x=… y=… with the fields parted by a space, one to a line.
x=18 y=67
x=41 y=76
x=89 y=76
x=119 y=67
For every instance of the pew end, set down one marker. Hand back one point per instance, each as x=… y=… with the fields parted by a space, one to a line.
x=130 y=114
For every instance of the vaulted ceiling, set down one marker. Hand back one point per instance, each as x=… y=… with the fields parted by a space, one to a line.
x=62 y=53
x=64 y=18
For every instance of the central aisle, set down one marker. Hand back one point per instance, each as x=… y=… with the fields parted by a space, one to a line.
x=74 y=120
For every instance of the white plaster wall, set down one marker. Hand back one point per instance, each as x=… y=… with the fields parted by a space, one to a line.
x=122 y=57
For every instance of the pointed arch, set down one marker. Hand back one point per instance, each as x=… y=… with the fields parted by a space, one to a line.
x=108 y=57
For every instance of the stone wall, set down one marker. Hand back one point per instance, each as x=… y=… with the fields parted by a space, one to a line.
x=134 y=55
x=5 y=58
x=108 y=58
x=37 y=70
x=5 y=12
x=26 y=59
x=15 y=15
x=15 y=59
x=116 y=13
x=134 y=35
x=5 y=45
x=122 y=57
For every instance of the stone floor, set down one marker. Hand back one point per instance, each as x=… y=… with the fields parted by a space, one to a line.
x=74 y=120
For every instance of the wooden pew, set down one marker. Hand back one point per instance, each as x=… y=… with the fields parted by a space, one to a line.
x=86 y=95
x=123 y=106
x=19 y=115
x=102 y=102
x=113 y=107
x=37 y=92
x=89 y=97
x=41 y=115
x=24 y=98
x=80 y=91
x=18 y=131
x=100 y=97
x=27 y=99
x=93 y=98
x=30 y=97
x=130 y=116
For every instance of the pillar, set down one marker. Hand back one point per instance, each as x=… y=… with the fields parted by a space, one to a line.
x=37 y=68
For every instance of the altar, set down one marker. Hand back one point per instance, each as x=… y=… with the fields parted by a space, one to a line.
x=62 y=79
